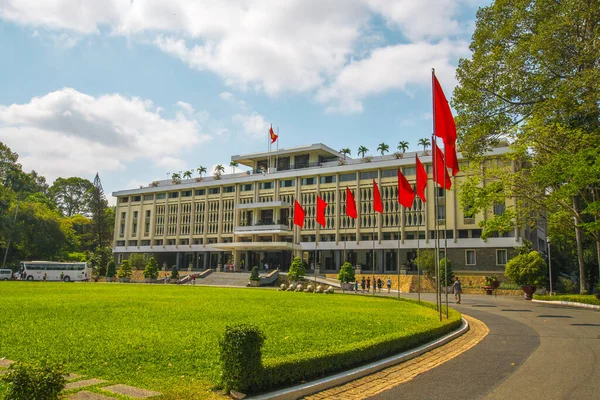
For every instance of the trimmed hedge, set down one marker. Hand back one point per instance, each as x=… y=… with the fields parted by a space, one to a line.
x=38 y=380
x=240 y=357
x=575 y=298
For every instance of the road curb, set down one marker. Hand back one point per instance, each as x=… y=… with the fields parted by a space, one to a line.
x=570 y=304
x=305 y=389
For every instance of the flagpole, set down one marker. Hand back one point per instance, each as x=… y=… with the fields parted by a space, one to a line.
x=277 y=151
x=419 y=253
x=445 y=233
x=398 y=255
x=373 y=258
x=435 y=214
x=317 y=230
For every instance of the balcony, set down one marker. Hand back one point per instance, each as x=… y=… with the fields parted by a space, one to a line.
x=266 y=204
x=262 y=226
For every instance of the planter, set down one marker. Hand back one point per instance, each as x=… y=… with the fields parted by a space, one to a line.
x=489 y=290
x=348 y=286
x=111 y=279
x=254 y=283
x=529 y=291
x=149 y=280
x=124 y=280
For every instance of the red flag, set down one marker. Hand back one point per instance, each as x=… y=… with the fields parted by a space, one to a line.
x=406 y=194
x=321 y=205
x=298 y=214
x=273 y=135
x=350 y=205
x=421 y=180
x=451 y=160
x=441 y=173
x=377 y=204
x=444 y=122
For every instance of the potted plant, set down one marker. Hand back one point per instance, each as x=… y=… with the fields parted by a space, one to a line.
x=491 y=283
x=151 y=270
x=254 y=277
x=111 y=271
x=124 y=272
x=297 y=270
x=446 y=277
x=346 y=276
x=527 y=270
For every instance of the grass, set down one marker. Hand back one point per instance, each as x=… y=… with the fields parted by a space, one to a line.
x=576 y=298
x=164 y=337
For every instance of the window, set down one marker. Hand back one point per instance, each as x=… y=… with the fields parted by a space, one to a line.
x=214 y=190
x=441 y=214
x=200 y=192
x=470 y=257
x=161 y=196
x=145 y=243
x=123 y=215
x=119 y=244
x=124 y=199
x=308 y=181
x=347 y=177
x=498 y=209
x=147 y=213
x=136 y=198
x=135 y=215
x=441 y=192
x=327 y=179
x=158 y=242
x=463 y=233
x=170 y=242
x=148 y=197
x=247 y=187
x=409 y=171
x=229 y=189
x=501 y=257
x=173 y=195
x=186 y=193
x=301 y=161
x=389 y=173
x=368 y=175
x=132 y=243
x=287 y=183
x=184 y=241
x=267 y=185
x=475 y=233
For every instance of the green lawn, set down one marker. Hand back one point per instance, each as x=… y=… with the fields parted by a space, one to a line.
x=577 y=298
x=164 y=337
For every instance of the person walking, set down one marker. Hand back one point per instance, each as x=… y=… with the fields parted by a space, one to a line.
x=45 y=277
x=369 y=285
x=355 y=286
x=389 y=283
x=457 y=290
x=363 y=284
x=379 y=284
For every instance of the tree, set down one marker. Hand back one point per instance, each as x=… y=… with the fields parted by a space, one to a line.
x=219 y=169
x=346 y=273
x=201 y=170
x=425 y=143
x=528 y=269
x=362 y=150
x=72 y=195
x=187 y=174
x=102 y=215
x=99 y=259
x=174 y=272
x=233 y=165
x=449 y=278
x=297 y=270
x=138 y=261
x=111 y=269
x=403 y=146
x=383 y=148
x=151 y=270
x=124 y=270
x=345 y=151
x=176 y=177
x=426 y=261
x=533 y=78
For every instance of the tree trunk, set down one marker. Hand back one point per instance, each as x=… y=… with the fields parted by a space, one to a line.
x=579 y=239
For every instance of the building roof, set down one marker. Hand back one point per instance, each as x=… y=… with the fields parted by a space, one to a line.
x=319 y=148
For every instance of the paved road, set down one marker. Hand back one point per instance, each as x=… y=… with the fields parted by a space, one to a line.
x=533 y=351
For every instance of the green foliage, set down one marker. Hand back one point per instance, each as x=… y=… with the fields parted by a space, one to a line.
x=297 y=270
x=111 y=269
x=527 y=269
x=40 y=381
x=565 y=285
x=449 y=280
x=346 y=273
x=72 y=195
x=138 y=261
x=151 y=270
x=426 y=261
x=174 y=272
x=99 y=259
x=254 y=275
x=240 y=357
x=124 y=270
x=491 y=281
x=575 y=298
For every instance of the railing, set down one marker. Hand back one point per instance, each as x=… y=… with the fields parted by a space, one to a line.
x=264 y=222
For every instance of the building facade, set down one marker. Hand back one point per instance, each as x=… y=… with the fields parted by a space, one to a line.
x=246 y=218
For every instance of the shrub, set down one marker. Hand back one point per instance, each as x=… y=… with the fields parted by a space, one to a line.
x=174 y=272
x=111 y=269
x=490 y=280
x=151 y=270
x=426 y=261
x=254 y=275
x=449 y=280
x=346 y=273
x=527 y=269
x=124 y=270
x=566 y=285
x=40 y=381
x=240 y=357
x=138 y=261
x=297 y=270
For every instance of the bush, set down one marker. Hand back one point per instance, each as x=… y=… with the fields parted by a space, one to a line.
x=138 y=261
x=151 y=270
x=566 y=285
x=111 y=269
x=450 y=278
x=527 y=269
x=174 y=272
x=124 y=270
x=346 y=273
x=240 y=357
x=254 y=275
x=491 y=281
x=426 y=261
x=297 y=270
x=40 y=381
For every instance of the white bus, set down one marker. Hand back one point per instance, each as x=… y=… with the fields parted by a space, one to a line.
x=54 y=271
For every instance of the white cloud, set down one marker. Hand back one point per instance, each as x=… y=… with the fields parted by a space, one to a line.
x=68 y=133
x=253 y=125
x=227 y=96
x=187 y=107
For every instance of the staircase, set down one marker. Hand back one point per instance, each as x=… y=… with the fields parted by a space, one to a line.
x=236 y=279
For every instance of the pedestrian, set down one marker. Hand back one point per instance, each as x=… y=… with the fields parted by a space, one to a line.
x=167 y=279
x=24 y=276
x=193 y=279
x=457 y=290
x=355 y=286
x=363 y=284
x=242 y=265
x=45 y=277
x=379 y=284
x=389 y=284
x=369 y=285
x=266 y=266
x=62 y=276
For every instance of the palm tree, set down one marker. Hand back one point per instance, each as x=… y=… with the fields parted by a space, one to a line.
x=362 y=150
x=425 y=143
x=219 y=169
x=383 y=148
x=402 y=146
x=233 y=164
x=187 y=174
x=201 y=170
x=175 y=177
x=346 y=152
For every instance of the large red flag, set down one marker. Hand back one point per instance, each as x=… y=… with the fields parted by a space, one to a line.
x=350 y=205
x=441 y=173
x=421 y=180
x=445 y=127
x=273 y=135
x=406 y=194
x=377 y=204
x=298 y=214
x=321 y=205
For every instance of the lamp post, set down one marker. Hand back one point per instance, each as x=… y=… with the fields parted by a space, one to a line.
x=549 y=263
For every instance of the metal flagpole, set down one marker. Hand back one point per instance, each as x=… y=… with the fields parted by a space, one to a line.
x=445 y=232
x=435 y=214
x=398 y=255
x=419 y=253
x=277 y=151
x=373 y=257
x=317 y=230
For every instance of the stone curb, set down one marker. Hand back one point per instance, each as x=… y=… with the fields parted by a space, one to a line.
x=305 y=389
x=570 y=304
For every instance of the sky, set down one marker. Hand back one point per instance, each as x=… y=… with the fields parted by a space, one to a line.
x=138 y=89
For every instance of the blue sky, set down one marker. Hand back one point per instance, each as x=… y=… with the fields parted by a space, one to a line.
x=135 y=90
